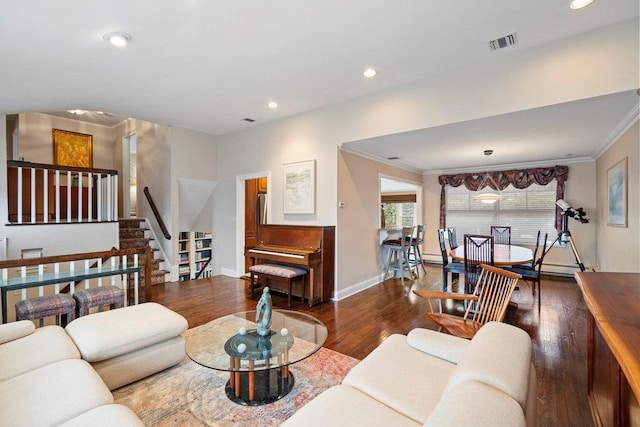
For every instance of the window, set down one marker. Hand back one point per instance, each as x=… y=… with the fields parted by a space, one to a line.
x=526 y=211
x=398 y=215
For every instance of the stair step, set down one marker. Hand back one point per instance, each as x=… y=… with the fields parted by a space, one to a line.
x=132 y=233
x=134 y=243
x=130 y=223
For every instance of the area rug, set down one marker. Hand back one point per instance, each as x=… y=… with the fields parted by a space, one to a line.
x=192 y=395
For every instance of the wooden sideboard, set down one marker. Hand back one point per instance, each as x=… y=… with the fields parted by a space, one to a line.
x=613 y=354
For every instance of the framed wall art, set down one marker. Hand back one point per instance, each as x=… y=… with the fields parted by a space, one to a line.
x=300 y=187
x=617 y=194
x=72 y=149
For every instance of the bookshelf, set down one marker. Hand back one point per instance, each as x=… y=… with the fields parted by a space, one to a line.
x=195 y=251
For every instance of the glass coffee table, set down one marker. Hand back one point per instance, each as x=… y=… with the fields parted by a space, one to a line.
x=258 y=366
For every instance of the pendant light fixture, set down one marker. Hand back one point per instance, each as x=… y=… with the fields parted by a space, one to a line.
x=488 y=196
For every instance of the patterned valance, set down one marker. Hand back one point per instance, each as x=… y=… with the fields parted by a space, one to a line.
x=519 y=178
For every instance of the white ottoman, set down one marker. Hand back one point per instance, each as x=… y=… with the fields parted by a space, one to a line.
x=130 y=343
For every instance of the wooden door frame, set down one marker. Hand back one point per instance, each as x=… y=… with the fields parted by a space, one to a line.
x=240 y=188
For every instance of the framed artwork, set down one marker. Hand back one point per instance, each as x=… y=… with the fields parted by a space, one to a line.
x=617 y=194
x=300 y=187
x=72 y=149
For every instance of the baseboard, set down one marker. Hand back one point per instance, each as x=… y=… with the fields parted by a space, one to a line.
x=358 y=287
x=229 y=272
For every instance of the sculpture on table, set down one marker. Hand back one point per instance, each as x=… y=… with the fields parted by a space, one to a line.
x=264 y=308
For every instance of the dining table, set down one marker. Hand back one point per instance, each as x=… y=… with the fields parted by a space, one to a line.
x=503 y=255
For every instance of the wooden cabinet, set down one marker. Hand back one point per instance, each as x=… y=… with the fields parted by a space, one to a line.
x=195 y=253
x=613 y=348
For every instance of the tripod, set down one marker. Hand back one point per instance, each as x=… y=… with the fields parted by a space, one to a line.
x=565 y=232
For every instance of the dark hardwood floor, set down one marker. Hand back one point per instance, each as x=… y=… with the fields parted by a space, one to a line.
x=359 y=323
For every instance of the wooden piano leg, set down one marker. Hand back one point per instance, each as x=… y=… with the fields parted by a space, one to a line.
x=312 y=285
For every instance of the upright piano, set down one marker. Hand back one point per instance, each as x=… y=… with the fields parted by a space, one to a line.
x=305 y=246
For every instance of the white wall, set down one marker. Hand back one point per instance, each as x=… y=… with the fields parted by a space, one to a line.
x=619 y=247
x=266 y=149
x=502 y=84
x=194 y=169
x=154 y=171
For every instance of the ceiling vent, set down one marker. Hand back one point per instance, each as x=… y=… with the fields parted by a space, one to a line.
x=503 y=42
x=247 y=119
x=393 y=158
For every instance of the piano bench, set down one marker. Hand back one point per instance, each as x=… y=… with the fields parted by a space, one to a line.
x=282 y=273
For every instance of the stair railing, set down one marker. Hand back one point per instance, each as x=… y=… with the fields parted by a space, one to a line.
x=42 y=193
x=156 y=214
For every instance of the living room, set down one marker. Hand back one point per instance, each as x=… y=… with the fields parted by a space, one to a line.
x=600 y=61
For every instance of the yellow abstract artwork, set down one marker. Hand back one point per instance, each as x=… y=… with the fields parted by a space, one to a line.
x=72 y=149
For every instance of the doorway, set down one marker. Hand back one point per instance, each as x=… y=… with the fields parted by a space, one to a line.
x=255 y=211
x=251 y=189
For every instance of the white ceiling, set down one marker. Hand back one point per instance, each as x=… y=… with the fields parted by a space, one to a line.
x=207 y=65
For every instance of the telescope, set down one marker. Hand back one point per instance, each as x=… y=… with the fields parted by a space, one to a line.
x=577 y=214
x=564 y=235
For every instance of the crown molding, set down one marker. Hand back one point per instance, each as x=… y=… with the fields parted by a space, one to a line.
x=380 y=159
x=624 y=125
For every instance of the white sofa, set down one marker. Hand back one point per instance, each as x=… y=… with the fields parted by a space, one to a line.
x=51 y=377
x=433 y=379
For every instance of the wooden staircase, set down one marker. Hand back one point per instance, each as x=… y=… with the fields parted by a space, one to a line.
x=133 y=235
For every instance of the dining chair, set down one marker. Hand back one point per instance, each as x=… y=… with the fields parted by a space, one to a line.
x=453 y=239
x=531 y=265
x=455 y=268
x=478 y=249
x=501 y=234
x=415 y=255
x=398 y=254
x=487 y=303
x=532 y=275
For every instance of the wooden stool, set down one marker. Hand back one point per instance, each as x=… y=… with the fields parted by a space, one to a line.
x=98 y=297
x=52 y=305
x=283 y=273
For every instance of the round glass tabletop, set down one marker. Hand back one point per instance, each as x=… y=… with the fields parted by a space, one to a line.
x=294 y=336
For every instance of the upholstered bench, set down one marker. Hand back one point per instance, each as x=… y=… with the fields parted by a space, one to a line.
x=98 y=297
x=283 y=273
x=50 y=305
x=130 y=343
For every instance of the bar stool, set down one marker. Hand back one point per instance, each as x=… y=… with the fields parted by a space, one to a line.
x=398 y=254
x=416 y=242
x=51 y=305
x=98 y=297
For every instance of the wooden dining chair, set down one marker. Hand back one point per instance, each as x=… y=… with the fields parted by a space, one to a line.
x=532 y=275
x=455 y=268
x=501 y=234
x=478 y=249
x=487 y=303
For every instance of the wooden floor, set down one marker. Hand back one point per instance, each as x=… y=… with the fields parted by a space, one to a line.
x=359 y=323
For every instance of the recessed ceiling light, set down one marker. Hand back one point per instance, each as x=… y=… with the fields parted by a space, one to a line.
x=369 y=72
x=117 y=39
x=77 y=112
x=579 y=4
x=273 y=105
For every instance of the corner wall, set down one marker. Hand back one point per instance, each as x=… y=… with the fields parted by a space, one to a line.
x=619 y=247
x=358 y=231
